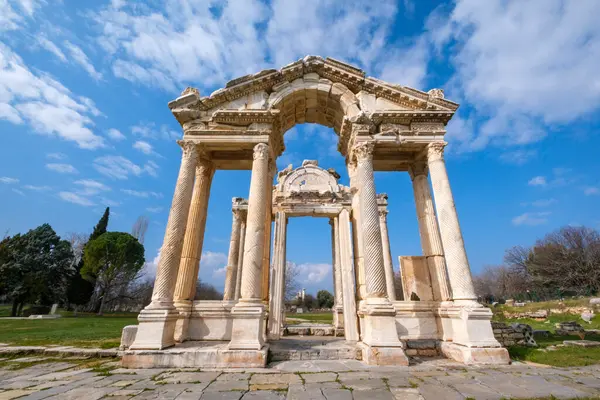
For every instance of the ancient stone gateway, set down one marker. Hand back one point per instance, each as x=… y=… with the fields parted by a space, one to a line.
x=381 y=127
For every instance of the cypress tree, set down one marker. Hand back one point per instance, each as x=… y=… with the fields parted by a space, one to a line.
x=101 y=226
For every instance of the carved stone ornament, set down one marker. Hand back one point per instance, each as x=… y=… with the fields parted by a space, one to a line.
x=363 y=151
x=436 y=93
x=284 y=172
x=417 y=168
x=189 y=90
x=435 y=150
x=261 y=151
x=189 y=148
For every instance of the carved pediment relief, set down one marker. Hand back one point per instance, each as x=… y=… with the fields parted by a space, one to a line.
x=308 y=178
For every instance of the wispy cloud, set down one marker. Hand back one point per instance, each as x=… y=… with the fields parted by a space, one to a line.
x=591 y=190
x=56 y=156
x=531 y=218
x=51 y=47
x=76 y=199
x=90 y=187
x=82 y=59
x=537 y=181
x=115 y=135
x=154 y=209
x=35 y=188
x=8 y=181
x=142 y=194
x=144 y=147
x=119 y=167
x=62 y=168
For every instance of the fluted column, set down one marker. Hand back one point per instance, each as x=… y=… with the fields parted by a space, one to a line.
x=238 y=277
x=369 y=216
x=431 y=242
x=387 y=256
x=459 y=273
x=157 y=321
x=194 y=235
x=276 y=309
x=337 y=275
x=255 y=226
x=342 y=227
x=232 y=259
x=248 y=330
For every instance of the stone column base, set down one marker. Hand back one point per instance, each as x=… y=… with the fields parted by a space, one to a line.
x=379 y=323
x=372 y=355
x=338 y=320
x=467 y=325
x=475 y=355
x=184 y=309
x=156 y=329
x=248 y=331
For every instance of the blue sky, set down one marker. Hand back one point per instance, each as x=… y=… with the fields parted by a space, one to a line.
x=84 y=121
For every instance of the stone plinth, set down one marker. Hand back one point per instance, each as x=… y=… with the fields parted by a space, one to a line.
x=415 y=278
x=193 y=354
x=474 y=355
x=128 y=336
x=211 y=320
x=416 y=320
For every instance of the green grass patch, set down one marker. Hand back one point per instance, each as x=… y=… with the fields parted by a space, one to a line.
x=83 y=331
x=313 y=317
x=561 y=356
x=553 y=319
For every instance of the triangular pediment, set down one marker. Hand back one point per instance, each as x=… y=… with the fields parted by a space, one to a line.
x=239 y=90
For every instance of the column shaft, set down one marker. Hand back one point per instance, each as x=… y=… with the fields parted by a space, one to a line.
x=357 y=234
x=431 y=241
x=266 y=266
x=170 y=255
x=387 y=257
x=194 y=235
x=369 y=218
x=232 y=259
x=238 y=277
x=342 y=226
x=337 y=275
x=277 y=297
x=459 y=273
x=255 y=227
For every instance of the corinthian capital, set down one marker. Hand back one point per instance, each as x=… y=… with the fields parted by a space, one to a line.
x=261 y=151
x=363 y=151
x=435 y=151
x=190 y=149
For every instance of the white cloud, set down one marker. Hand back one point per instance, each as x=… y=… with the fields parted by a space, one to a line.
x=531 y=218
x=215 y=261
x=142 y=146
x=82 y=59
x=154 y=209
x=56 y=156
x=151 y=131
x=44 y=103
x=313 y=272
x=518 y=156
x=543 y=202
x=76 y=199
x=119 y=167
x=19 y=192
x=51 y=47
x=7 y=180
x=537 y=181
x=191 y=42
x=136 y=193
x=90 y=187
x=62 y=168
x=591 y=190
x=108 y=202
x=115 y=135
x=14 y=12
x=37 y=188
x=150 y=267
x=523 y=67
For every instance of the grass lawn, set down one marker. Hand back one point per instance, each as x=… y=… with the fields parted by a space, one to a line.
x=553 y=318
x=81 y=331
x=325 y=318
x=562 y=356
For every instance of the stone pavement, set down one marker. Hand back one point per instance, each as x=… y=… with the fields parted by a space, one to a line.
x=35 y=377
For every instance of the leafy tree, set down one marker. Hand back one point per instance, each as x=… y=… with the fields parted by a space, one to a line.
x=35 y=267
x=110 y=259
x=324 y=299
x=291 y=280
x=206 y=291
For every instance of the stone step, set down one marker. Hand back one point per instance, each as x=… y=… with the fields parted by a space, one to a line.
x=289 y=349
x=309 y=330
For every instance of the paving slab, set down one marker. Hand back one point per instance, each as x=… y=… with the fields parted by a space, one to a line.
x=406 y=394
x=222 y=395
x=259 y=379
x=226 y=386
x=187 y=377
x=319 y=377
x=264 y=395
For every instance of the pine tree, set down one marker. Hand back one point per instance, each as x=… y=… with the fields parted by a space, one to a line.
x=100 y=228
x=80 y=290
